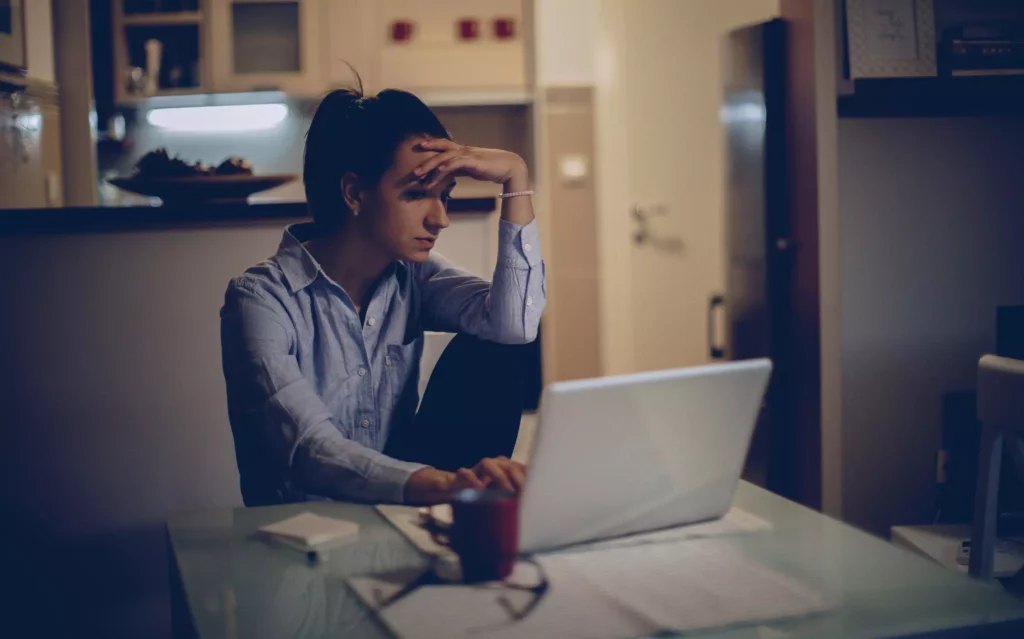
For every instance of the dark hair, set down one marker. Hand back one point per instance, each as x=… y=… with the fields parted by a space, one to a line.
x=351 y=132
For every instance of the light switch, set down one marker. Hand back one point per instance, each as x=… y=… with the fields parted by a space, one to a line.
x=573 y=169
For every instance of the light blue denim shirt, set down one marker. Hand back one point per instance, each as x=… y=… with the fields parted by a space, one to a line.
x=313 y=391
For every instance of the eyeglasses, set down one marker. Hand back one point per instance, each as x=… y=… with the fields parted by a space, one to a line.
x=529 y=576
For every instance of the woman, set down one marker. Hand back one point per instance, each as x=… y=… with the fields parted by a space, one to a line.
x=322 y=342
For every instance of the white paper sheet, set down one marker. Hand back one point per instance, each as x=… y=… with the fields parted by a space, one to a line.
x=406 y=519
x=735 y=522
x=611 y=593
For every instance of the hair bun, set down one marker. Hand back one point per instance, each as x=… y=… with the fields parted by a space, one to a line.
x=343 y=98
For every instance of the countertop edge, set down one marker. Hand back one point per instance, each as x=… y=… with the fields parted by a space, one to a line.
x=103 y=219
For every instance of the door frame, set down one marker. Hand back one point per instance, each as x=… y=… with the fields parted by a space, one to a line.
x=813 y=209
x=615 y=200
x=613 y=196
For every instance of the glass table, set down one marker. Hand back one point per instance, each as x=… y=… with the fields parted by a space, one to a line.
x=227 y=582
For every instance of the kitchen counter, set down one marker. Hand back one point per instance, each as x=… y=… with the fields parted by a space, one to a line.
x=102 y=219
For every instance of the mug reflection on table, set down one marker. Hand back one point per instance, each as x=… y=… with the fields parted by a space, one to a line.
x=484 y=533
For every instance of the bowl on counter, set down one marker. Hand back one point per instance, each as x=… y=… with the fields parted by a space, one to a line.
x=201 y=188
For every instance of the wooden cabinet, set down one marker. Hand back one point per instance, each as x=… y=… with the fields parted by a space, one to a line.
x=348 y=31
x=266 y=45
x=436 y=57
x=456 y=51
x=158 y=49
x=423 y=46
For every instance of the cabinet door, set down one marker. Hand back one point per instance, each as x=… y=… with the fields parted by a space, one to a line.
x=266 y=45
x=348 y=33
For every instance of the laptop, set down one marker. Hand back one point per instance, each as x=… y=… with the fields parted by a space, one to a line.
x=635 y=453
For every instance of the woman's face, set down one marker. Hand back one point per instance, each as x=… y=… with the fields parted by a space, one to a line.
x=399 y=215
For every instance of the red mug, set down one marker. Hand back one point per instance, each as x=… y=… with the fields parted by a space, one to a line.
x=484 y=533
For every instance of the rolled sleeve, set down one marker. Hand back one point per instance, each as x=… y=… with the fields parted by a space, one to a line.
x=519 y=246
x=520 y=277
x=507 y=309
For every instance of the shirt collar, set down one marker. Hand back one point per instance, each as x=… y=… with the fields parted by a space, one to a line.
x=300 y=268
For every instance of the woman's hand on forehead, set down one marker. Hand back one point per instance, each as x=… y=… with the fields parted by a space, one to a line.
x=450 y=159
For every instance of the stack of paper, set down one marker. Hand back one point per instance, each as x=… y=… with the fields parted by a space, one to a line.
x=309 y=532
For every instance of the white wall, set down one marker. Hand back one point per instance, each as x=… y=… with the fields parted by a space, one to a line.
x=39 y=39
x=931 y=232
x=72 y=30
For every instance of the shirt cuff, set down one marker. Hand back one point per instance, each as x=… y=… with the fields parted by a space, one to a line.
x=519 y=246
x=387 y=479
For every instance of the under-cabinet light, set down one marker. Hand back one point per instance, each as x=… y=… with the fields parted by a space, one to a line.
x=235 y=118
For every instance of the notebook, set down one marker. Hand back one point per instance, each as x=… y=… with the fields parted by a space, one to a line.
x=308 y=532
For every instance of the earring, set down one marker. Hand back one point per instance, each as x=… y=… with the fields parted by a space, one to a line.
x=355 y=212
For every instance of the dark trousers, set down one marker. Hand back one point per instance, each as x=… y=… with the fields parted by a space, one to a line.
x=471 y=408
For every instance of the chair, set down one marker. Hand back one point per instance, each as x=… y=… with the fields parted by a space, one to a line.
x=1001 y=413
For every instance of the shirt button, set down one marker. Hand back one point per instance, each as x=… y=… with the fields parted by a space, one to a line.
x=362 y=372
x=371 y=321
x=529 y=301
x=365 y=423
x=527 y=247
